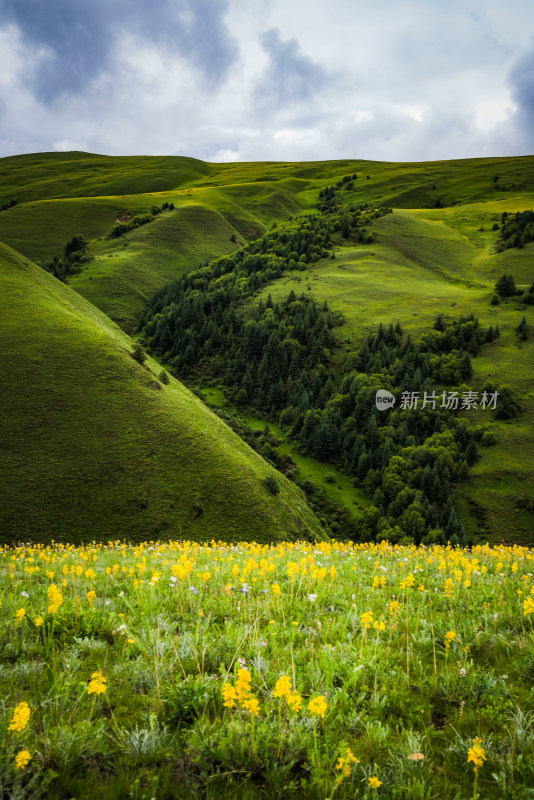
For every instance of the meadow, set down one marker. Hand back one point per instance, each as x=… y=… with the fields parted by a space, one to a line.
x=326 y=670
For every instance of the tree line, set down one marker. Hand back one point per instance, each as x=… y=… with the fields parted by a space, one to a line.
x=141 y=219
x=517 y=230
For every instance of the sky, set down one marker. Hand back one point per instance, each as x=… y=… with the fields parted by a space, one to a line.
x=288 y=80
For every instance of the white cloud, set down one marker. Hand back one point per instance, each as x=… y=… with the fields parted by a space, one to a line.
x=267 y=79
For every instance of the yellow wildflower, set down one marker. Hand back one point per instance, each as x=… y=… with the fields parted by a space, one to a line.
x=374 y=783
x=367 y=620
x=476 y=754
x=38 y=621
x=21 y=715
x=343 y=764
x=22 y=758
x=528 y=606
x=97 y=684
x=275 y=589
x=243 y=684
x=283 y=687
x=294 y=701
x=252 y=705
x=318 y=706
x=229 y=695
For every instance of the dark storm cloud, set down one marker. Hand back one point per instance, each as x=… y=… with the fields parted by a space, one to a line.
x=290 y=76
x=521 y=81
x=80 y=37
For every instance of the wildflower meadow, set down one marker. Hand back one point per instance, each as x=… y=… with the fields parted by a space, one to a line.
x=330 y=670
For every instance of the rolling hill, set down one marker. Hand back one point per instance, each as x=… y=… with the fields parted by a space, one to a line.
x=93 y=446
x=434 y=254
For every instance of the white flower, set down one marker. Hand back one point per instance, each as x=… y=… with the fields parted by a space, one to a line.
x=312 y=597
x=463 y=672
x=24 y=594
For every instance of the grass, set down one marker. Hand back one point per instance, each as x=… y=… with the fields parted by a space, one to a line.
x=93 y=444
x=335 y=484
x=302 y=670
x=149 y=257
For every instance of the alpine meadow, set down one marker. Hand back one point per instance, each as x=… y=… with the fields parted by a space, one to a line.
x=267 y=508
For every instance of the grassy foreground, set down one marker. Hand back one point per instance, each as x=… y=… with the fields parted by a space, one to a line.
x=175 y=669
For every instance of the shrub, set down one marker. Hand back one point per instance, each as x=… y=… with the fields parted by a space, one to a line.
x=271 y=485
x=505 y=286
x=138 y=353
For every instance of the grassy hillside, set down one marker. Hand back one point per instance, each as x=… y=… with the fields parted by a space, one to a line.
x=434 y=254
x=62 y=194
x=94 y=447
x=426 y=262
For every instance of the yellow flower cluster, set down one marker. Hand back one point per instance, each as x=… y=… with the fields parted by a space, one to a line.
x=318 y=706
x=344 y=765
x=55 y=597
x=21 y=715
x=368 y=621
x=292 y=696
x=476 y=754
x=97 y=684
x=22 y=758
x=241 y=693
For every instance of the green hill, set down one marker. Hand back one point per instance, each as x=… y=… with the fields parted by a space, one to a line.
x=93 y=446
x=434 y=254
x=63 y=194
x=423 y=263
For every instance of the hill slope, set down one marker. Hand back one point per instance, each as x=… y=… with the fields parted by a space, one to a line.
x=93 y=447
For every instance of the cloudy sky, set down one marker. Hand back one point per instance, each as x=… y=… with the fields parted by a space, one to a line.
x=241 y=80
